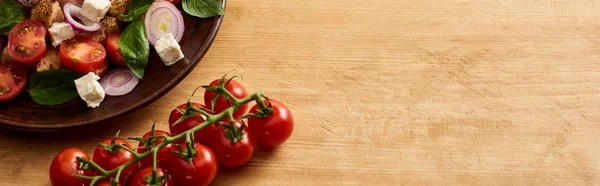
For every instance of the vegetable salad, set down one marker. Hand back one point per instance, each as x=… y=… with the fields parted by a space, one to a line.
x=62 y=50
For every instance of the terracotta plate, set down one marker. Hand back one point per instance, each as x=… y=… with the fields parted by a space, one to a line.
x=23 y=113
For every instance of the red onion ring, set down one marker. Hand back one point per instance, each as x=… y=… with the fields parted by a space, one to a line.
x=119 y=82
x=28 y=3
x=71 y=10
x=153 y=25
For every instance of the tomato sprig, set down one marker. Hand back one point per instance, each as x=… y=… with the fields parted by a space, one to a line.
x=233 y=133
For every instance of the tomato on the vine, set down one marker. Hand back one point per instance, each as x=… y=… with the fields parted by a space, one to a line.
x=203 y=135
x=273 y=130
x=140 y=178
x=162 y=153
x=106 y=183
x=65 y=165
x=109 y=159
x=27 y=42
x=228 y=152
x=235 y=88
x=200 y=172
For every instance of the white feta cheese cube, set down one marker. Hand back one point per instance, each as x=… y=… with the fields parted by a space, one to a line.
x=95 y=10
x=90 y=90
x=60 y=32
x=168 y=49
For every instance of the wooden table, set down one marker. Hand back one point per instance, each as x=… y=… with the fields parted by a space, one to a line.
x=394 y=92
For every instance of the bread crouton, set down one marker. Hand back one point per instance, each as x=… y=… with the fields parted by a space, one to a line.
x=118 y=7
x=109 y=25
x=50 y=61
x=5 y=57
x=48 y=12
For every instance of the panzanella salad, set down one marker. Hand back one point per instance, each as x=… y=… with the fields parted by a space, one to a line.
x=72 y=43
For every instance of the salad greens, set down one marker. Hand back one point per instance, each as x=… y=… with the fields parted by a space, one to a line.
x=136 y=9
x=135 y=47
x=11 y=13
x=203 y=8
x=53 y=87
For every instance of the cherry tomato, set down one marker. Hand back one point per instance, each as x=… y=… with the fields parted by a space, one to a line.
x=140 y=177
x=236 y=154
x=161 y=155
x=236 y=89
x=174 y=1
x=65 y=165
x=114 y=51
x=273 y=130
x=106 y=183
x=82 y=54
x=102 y=70
x=200 y=172
x=109 y=161
x=27 y=42
x=12 y=81
x=202 y=136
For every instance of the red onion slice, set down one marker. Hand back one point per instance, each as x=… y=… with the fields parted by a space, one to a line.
x=119 y=82
x=28 y=3
x=71 y=10
x=162 y=18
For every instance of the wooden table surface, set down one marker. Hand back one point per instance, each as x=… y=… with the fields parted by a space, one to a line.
x=393 y=92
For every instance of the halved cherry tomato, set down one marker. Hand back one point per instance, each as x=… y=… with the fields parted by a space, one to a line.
x=273 y=130
x=236 y=89
x=161 y=155
x=82 y=54
x=140 y=178
x=201 y=170
x=111 y=160
x=114 y=51
x=102 y=70
x=27 y=42
x=232 y=154
x=12 y=81
x=202 y=136
x=65 y=165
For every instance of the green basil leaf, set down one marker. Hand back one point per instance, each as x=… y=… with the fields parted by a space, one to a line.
x=136 y=9
x=11 y=13
x=53 y=87
x=135 y=47
x=135 y=14
x=203 y=8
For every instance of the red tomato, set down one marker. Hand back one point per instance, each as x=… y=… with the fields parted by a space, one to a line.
x=140 y=177
x=12 y=81
x=102 y=70
x=162 y=153
x=202 y=136
x=236 y=89
x=273 y=130
x=109 y=161
x=27 y=42
x=174 y=1
x=200 y=172
x=82 y=54
x=114 y=51
x=106 y=183
x=65 y=165
x=236 y=154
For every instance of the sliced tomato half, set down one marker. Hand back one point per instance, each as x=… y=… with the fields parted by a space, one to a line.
x=82 y=54
x=27 y=42
x=12 y=80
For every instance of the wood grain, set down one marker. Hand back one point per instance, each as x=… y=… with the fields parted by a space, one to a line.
x=388 y=92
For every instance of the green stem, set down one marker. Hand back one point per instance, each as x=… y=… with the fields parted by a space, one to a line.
x=210 y=119
x=135 y=154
